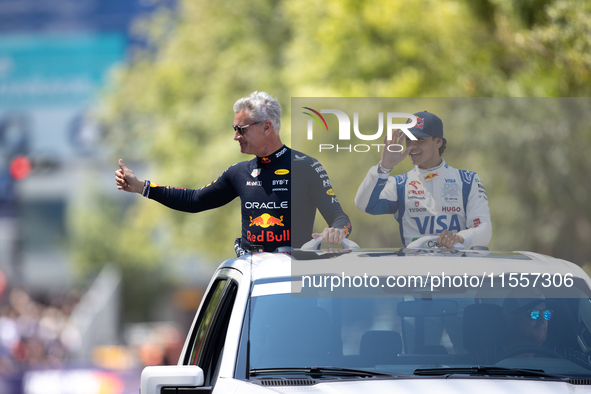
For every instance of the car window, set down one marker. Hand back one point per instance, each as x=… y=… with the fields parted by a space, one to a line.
x=206 y=319
x=210 y=331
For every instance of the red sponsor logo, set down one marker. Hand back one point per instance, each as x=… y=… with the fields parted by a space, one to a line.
x=266 y=220
x=347 y=228
x=420 y=122
x=417 y=204
x=416 y=192
x=414 y=184
x=268 y=236
x=431 y=176
x=265 y=160
x=451 y=209
x=476 y=222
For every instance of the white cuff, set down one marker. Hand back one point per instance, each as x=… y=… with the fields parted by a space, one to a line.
x=467 y=241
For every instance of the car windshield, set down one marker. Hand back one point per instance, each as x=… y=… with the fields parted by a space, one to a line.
x=406 y=332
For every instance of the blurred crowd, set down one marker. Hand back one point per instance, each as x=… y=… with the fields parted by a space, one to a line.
x=65 y=330
x=35 y=334
x=40 y=334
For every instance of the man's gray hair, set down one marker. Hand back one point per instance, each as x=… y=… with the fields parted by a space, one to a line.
x=261 y=107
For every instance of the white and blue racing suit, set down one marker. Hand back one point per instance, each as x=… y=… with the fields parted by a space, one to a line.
x=426 y=202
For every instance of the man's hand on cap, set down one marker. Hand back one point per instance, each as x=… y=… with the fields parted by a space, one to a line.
x=392 y=159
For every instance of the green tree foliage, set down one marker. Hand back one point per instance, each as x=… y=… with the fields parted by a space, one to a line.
x=389 y=49
x=535 y=173
x=547 y=47
x=171 y=107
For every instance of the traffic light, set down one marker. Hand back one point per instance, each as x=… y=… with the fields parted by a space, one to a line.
x=20 y=168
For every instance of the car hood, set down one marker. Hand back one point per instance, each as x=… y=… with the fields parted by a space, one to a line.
x=416 y=386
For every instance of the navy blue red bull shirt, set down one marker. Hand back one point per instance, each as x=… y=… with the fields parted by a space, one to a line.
x=279 y=196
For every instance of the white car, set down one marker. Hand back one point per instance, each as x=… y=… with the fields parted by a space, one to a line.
x=383 y=321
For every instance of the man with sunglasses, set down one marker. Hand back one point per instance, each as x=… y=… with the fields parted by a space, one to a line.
x=527 y=315
x=272 y=186
x=432 y=198
x=527 y=321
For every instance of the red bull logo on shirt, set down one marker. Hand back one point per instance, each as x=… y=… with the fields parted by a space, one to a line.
x=268 y=236
x=347 y=229
x=266 y=220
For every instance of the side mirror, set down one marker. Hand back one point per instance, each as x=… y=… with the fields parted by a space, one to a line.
x=154 y=378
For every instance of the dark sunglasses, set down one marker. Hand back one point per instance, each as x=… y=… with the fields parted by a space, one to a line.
x=241 y=129
x=534 y=314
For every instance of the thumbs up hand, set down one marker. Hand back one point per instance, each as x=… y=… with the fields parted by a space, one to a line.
x=126 y=179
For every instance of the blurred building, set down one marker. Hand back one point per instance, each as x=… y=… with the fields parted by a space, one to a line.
x=54 y=59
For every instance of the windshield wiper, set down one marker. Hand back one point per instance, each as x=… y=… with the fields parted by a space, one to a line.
x=483 y=370
x=318 y=371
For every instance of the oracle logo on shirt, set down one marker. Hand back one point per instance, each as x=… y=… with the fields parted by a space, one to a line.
x=266 y=205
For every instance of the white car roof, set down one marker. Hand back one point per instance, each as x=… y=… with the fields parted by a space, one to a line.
x=401 y=262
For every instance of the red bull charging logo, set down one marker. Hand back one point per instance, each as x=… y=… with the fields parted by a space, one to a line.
x=266 y=220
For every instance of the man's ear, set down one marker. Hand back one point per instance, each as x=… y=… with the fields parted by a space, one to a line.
x=438 y=142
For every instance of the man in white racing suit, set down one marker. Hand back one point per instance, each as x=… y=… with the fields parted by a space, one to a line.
x=433 y=198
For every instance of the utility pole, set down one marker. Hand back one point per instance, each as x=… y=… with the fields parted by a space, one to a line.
x=14 y=166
